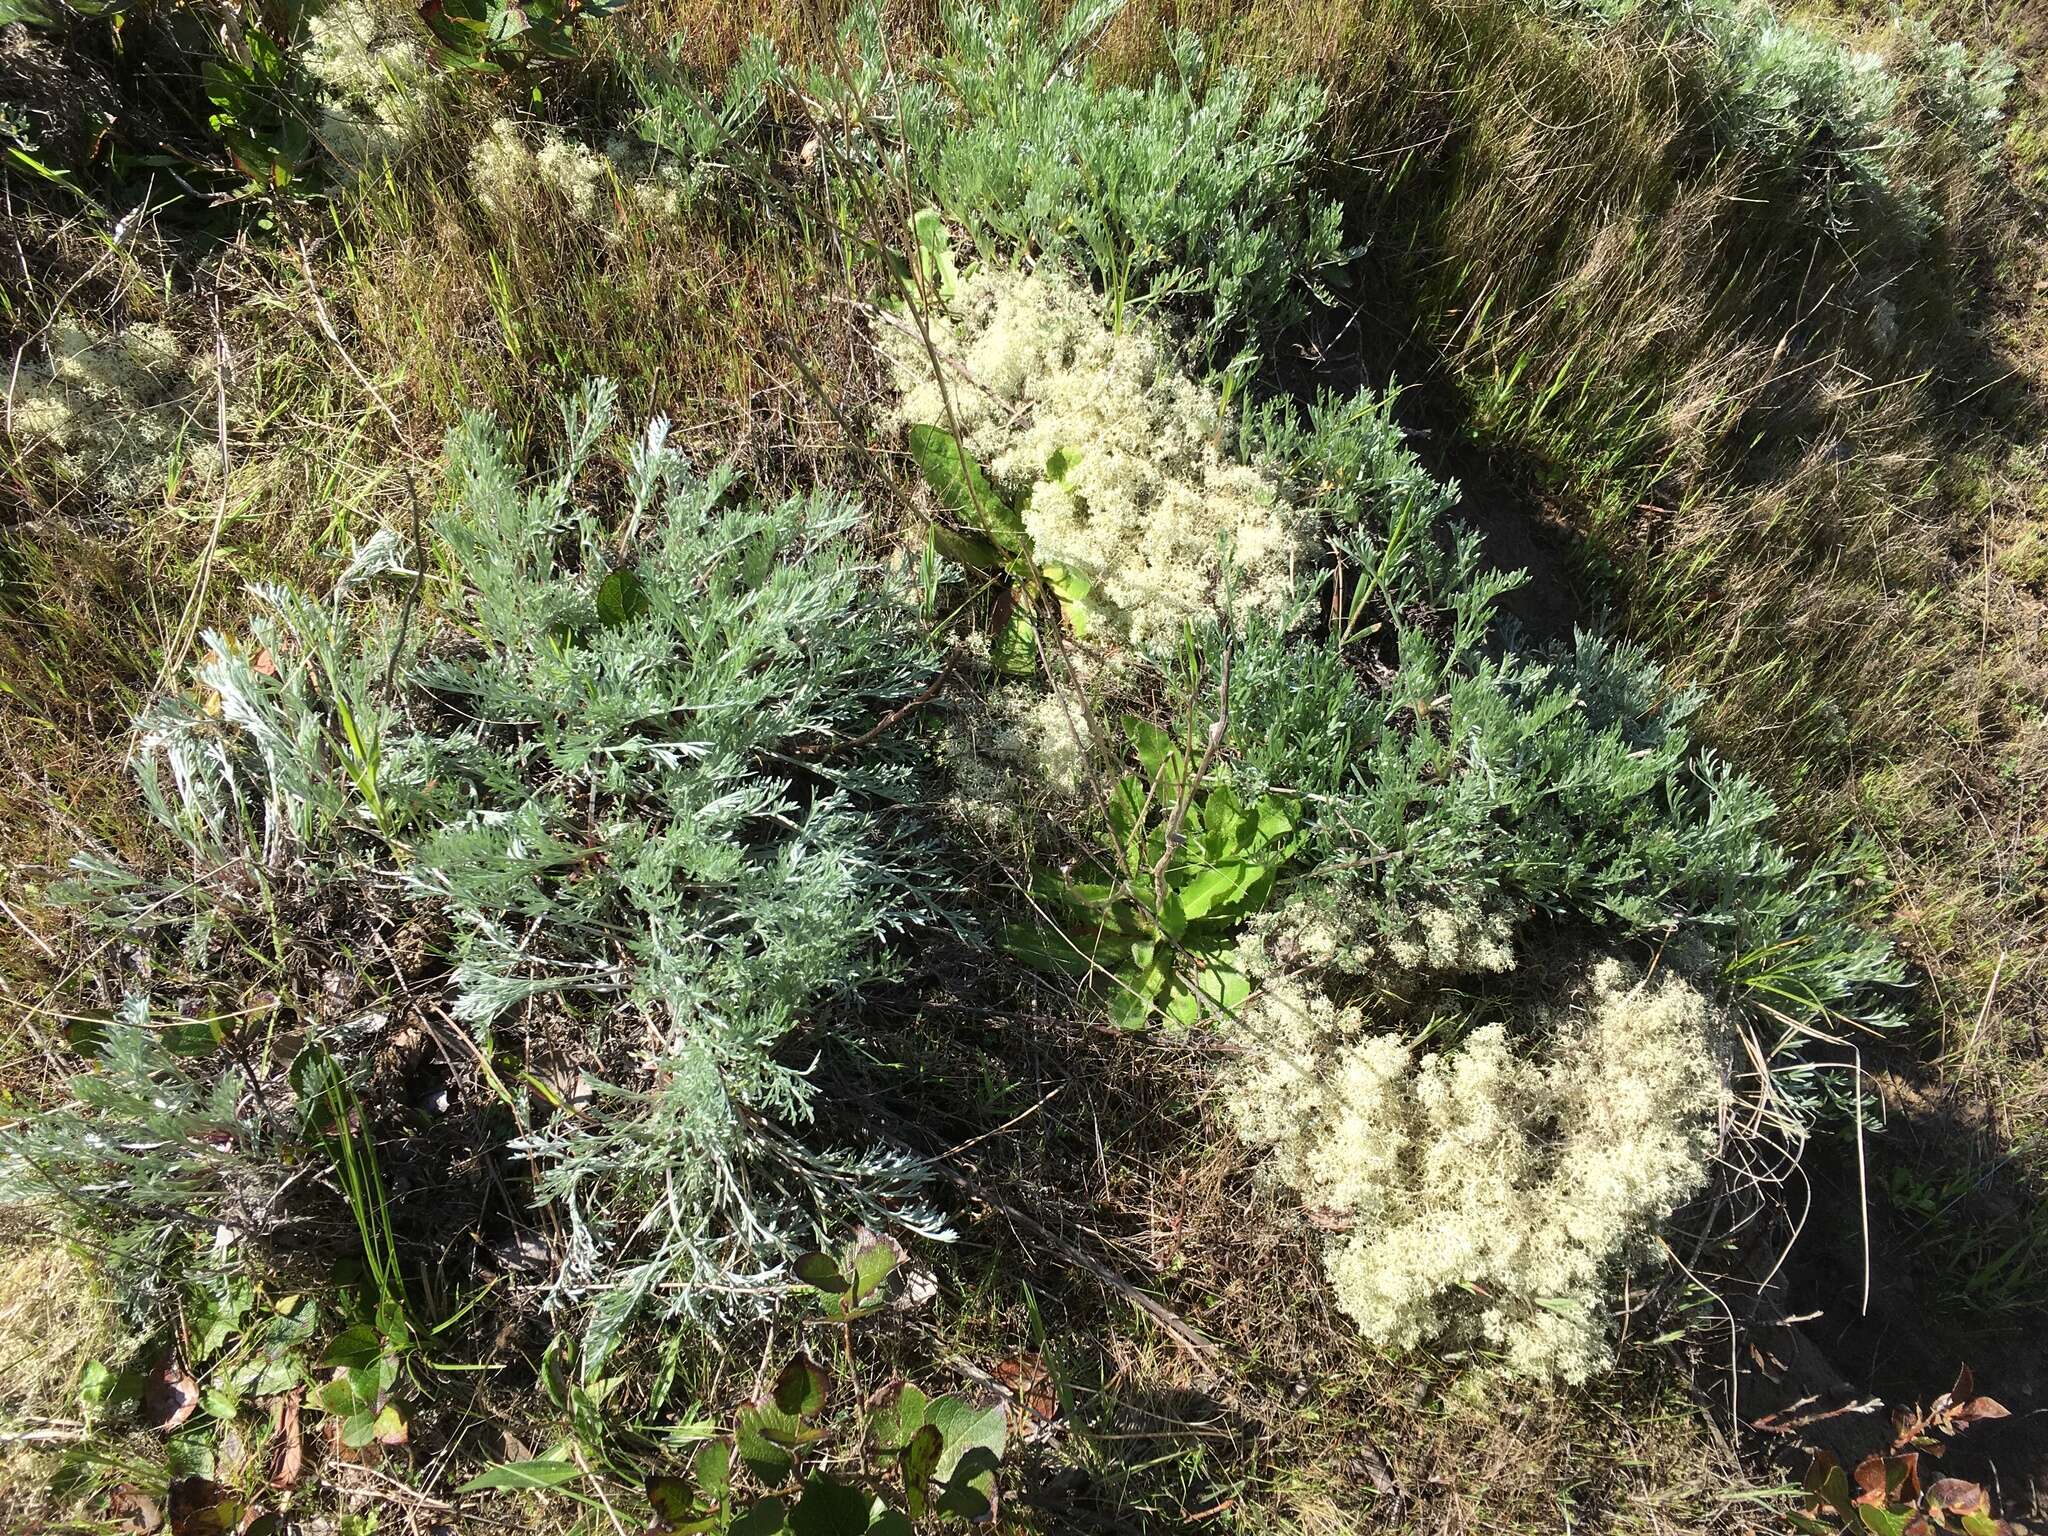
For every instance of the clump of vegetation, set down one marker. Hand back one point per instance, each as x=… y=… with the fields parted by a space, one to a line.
x=639 y=813
x=1859 y=130
x=1451 y=773
x=1146 y=848
x=373 y=76
x=1425 y=787
x=115 y=414
x=819 y=1458
x=1492 y=1190
x=1112 y=458
x=1192 y=195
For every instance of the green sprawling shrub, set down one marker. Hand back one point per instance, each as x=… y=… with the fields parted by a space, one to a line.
x=1451 y=765
x=1192 y=194
x=626 y=793
x=1856 y=128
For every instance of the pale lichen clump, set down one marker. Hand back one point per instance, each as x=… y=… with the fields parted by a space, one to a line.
x=372 y=79
x=1454 y=940
x=1330 y=927
x=1117 y=456
x=1015 y=747
x=512 y=177
x=113 y=411
x=1491 y=1193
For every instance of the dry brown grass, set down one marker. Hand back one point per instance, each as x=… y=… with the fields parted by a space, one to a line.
x=53 y=1319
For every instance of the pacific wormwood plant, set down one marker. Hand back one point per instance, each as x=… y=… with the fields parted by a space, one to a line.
x=620 y=834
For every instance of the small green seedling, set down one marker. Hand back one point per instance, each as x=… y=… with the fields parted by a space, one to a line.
x=1184 y=865
x=850 y=1286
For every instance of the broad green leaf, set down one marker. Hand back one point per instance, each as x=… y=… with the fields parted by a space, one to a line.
x=872 y=1264
x=1213 y=887
x=674 y=1505
x=712 y=1468
x=1073 y=591
x=389 y=1428
x=821 y=1273
x=1834 y=1488
x=1278 y=818
x=1128 y=1007
x=766 y=1517
x=557 y=1369
x=1224 y=985
x=1173 y=917
x=33 y=12
x=975 y=1438
x=964 y=490
x=354 y=1349
x=506 y=20
x=969 y=1494
x=1014 y=648
x=1163 y=760
x=1226 y=821
x=800 y=1388
x=101 y=1389
x=523 y=1474
x=621 y=599
x=898 y=1415
x=1092 y=897
x=970 y=550
x=829 y=1507
x=919 y=1462
x=767 y=1437
x=1880 y=1521
x=1046 y=948
x=934 y=246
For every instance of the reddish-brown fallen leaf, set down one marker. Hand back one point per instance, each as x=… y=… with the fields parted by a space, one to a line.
x=169 y=1396
x=1029 y=1384
x=288 y=1448
x=265 y=662
x=1980 y=1408
x=1959 y=1496
x=1888 y=1479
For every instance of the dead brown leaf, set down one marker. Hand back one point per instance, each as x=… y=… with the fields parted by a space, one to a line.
x=169 y=1396
x=1980 y=1408
x=201 y=1507
x=135 y=1510
x=1029 y=1384
x=1959 y=1496
x=288 y=1447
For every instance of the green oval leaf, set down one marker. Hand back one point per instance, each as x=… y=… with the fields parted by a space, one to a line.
x=621 y=599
